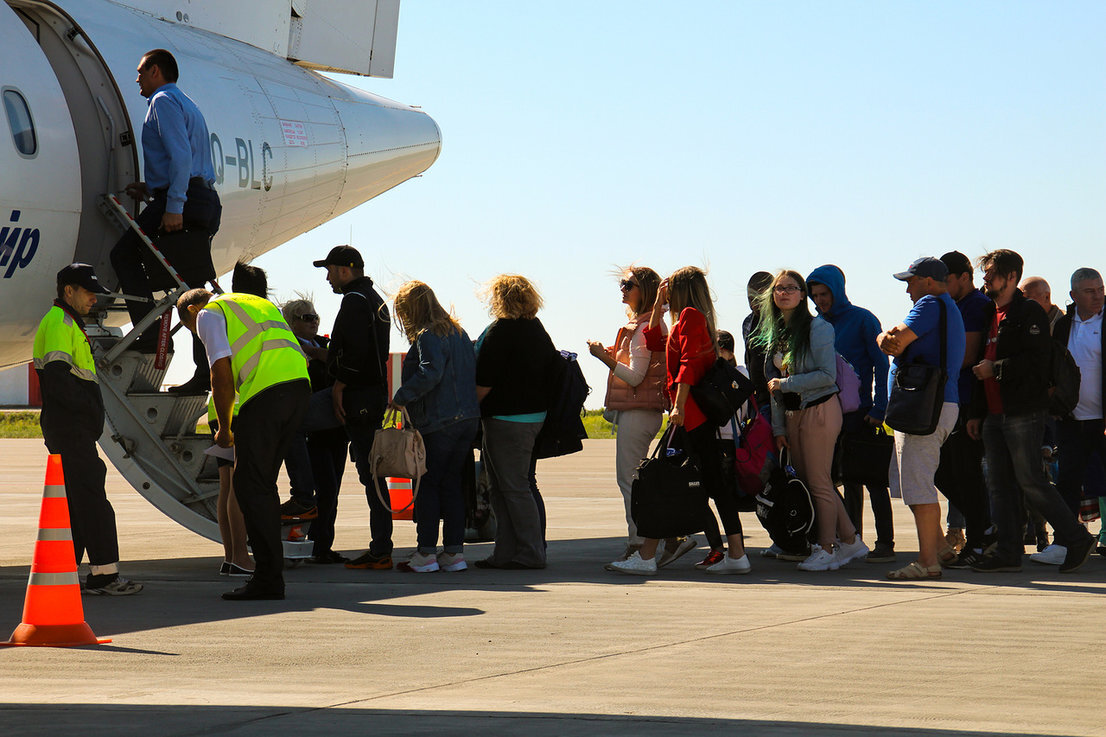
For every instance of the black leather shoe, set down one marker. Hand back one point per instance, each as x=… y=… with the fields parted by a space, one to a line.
x=251 y=592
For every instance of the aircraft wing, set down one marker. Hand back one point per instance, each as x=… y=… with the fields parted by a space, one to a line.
x=351 y=36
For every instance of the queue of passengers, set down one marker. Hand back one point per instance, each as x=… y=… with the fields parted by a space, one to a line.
x=996 y=344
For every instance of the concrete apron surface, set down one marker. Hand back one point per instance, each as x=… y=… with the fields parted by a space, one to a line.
x=570 y=650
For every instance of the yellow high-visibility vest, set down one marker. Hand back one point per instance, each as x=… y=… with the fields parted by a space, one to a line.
x=264 y=350
x=59 y=338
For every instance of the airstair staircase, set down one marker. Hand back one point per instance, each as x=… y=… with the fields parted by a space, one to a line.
x=150 y=435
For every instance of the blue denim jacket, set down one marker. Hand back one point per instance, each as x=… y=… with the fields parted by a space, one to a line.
x=439 y=381
x=815 y=376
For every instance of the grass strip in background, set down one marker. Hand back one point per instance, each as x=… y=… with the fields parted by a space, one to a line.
x=19 y=424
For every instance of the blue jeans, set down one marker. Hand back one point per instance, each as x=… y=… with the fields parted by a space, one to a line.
x=440 y=491
x=1013 y=448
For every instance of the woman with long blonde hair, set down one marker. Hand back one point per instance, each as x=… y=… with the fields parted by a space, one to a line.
x=690 y=350
x=514 y=372
x=439 y=394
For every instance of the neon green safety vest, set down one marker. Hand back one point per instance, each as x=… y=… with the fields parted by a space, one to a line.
x=59 y=338
x=264 y=350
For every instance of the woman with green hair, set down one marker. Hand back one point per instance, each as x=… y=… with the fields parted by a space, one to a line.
x=801 y=368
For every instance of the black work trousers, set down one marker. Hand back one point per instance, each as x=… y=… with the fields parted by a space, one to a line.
x=263 y=430
x=960 y=478
x=91 y=516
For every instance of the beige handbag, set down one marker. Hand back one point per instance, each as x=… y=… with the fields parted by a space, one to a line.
x=399 y=452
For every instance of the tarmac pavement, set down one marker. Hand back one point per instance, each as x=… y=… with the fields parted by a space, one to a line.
x=570 y=650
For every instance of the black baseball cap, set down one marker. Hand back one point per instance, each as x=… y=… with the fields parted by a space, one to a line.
x=81 y=275
x=343 y=256
x=957 y=263
x=927 y=266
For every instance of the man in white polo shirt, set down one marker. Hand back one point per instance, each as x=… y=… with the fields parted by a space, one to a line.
x=1080 y=436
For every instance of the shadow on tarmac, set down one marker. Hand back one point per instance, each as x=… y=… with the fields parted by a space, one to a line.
x=91 y=720
x=184 y=591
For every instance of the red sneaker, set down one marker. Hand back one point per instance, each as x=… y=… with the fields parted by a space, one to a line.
x=714 y=556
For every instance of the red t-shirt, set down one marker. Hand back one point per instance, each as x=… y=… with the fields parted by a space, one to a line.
x=990 y=353
x=688 y=353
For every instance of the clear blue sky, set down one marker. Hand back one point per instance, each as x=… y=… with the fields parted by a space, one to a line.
x=734 y=135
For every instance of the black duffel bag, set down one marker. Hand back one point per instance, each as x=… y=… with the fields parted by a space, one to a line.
x=667 y=498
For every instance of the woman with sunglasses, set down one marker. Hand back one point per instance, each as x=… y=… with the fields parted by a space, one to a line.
x=801 y=367
x=690 y=350
x=635 y=400
x=327 y=449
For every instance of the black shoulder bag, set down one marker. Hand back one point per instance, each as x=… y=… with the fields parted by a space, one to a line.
x=914 y=405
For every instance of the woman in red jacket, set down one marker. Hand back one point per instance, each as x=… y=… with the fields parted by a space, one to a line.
x=689 y=351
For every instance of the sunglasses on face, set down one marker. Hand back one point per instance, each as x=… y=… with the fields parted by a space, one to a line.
x=308 y=317
x=625 y=285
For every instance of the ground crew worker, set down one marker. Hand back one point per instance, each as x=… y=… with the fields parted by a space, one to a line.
x=251 y=350
x=72 y=420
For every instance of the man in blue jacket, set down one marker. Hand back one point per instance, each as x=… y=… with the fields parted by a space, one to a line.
x=856 y=329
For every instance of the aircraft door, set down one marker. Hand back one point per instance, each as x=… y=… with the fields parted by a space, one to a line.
x=105 y=141
x=40 y=185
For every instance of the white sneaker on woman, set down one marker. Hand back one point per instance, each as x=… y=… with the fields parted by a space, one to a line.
x=847 y=553
x=731 y=565
x=818 y=560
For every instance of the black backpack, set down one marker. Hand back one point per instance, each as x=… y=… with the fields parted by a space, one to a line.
x=785 y=508
x=563 y=431
x=1063 y=382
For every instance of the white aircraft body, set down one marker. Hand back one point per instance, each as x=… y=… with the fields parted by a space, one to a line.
x=292 y=149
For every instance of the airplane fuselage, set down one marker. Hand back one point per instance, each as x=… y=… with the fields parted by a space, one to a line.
x=292 y=149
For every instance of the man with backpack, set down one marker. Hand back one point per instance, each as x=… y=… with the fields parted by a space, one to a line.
x=1009 y=413
x=1080 y=436
x=855 y=331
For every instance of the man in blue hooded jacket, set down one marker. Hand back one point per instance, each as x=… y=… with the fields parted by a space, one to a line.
x=856 y=329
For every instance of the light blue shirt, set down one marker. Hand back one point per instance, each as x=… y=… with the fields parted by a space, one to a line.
x=175 y=145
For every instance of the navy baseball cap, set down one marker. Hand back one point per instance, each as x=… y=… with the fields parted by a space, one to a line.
x=343 y=256
x=81 y=275
x=927 y=266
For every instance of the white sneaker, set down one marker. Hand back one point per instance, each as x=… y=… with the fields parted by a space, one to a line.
x=422 y=563
x=772 y=552
x=452 y=562
x=848 y=553
x=732 y=565
x=673 y=549
x=1053 y=555
x=634 y=565
x=818 y=560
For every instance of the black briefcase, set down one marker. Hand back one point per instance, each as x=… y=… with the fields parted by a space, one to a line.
x=667 y=498
x=863 y=457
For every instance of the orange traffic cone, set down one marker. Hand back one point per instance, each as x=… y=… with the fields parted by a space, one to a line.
x=52 y=611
